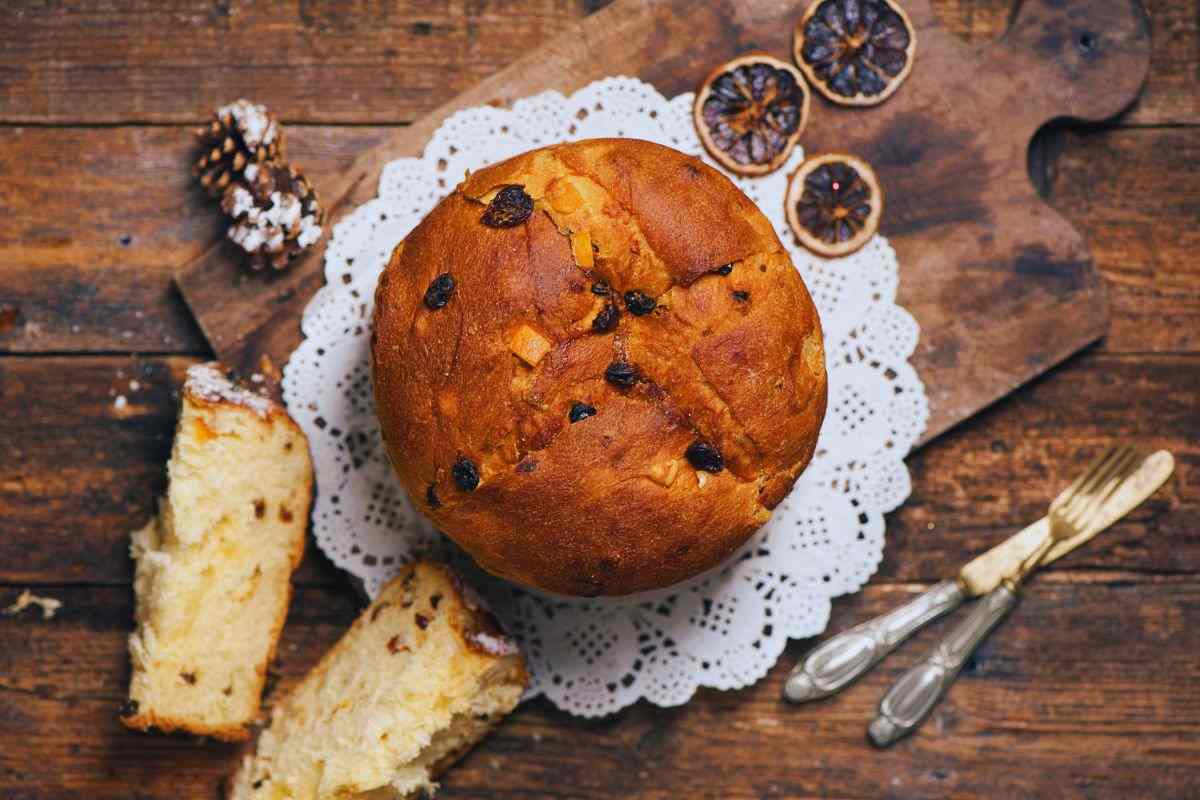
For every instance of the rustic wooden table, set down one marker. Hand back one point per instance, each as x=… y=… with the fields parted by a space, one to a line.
x=1090 y=689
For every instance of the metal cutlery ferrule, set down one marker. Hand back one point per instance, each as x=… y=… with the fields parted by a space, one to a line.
x=919 y=689
x=837 y=662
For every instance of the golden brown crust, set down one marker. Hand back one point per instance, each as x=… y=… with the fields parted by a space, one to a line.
x=608 y=504
x=147 y=720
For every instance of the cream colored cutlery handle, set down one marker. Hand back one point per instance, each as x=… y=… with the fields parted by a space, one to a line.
x=838 y=661
x=918 y=690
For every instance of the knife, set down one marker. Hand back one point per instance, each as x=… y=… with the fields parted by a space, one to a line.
x=837 y=662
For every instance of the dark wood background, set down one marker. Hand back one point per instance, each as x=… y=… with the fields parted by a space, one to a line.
x=1090 y=689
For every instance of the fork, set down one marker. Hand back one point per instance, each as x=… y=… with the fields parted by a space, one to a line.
x=918 y=690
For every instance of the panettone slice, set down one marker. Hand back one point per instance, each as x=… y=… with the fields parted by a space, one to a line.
x=214 y=568
x=420 y=677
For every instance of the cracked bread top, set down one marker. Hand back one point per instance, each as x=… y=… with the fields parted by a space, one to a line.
x=596 y=368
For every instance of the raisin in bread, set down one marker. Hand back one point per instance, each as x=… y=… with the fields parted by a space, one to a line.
x=214 y=568
x=420 y=677
x=596 y=367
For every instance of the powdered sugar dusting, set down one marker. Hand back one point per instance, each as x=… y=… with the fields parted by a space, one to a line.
x=491 y=643
x=207 y=382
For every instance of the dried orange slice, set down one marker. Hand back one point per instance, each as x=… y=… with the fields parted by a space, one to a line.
x=855 y=52
x=833 y=204
x=750 y=111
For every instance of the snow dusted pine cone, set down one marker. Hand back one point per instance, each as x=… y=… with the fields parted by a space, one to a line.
x=275 y=214
x=240 y=134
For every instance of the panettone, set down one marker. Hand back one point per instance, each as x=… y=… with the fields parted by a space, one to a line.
x=596 y=368
x=214 y=567
x=421 y=676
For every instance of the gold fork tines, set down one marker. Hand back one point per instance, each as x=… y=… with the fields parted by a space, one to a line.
x=1076 y=509
x=1079 y=512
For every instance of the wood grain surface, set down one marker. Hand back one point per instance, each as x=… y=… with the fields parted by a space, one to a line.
x=1016 y=724
x=1089 y=690
x=1002 y=286
x=348 y=61
x=970 y=493
x=106 y=286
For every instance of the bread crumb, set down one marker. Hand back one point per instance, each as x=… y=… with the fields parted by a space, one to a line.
x=26 y=598
x=120 y=402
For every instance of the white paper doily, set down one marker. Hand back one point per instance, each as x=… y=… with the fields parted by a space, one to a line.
x=724 y=631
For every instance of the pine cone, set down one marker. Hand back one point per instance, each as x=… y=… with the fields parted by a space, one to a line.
x=275 y=213
x=240 y=133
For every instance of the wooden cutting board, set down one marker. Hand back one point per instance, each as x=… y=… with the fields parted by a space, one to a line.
x=1002 y=286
